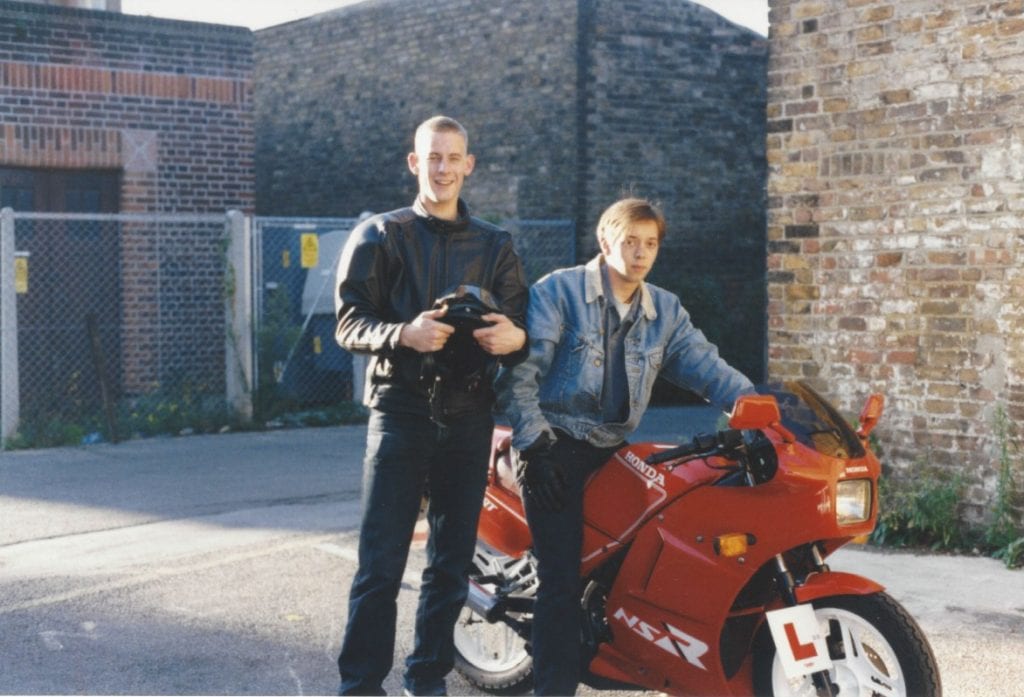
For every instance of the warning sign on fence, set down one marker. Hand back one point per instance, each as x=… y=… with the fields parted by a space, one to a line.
x=20 y=273
x=310 y=250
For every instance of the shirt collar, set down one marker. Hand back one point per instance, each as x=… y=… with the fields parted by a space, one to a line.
x=440 y=225
x=594 y=289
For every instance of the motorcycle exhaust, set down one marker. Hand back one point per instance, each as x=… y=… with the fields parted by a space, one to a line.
x=483 y=602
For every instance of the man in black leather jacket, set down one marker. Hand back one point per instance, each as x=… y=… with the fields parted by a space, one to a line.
x=422 y=431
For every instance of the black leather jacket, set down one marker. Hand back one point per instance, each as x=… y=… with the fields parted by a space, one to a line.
x=394 y=266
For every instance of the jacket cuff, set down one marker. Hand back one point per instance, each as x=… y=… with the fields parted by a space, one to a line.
x=390 y=346
x=524 y=439
x=516 y=357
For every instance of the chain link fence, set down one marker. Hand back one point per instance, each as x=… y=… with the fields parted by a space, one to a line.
x=299 y=364
x=113 y=326
x=543 y=245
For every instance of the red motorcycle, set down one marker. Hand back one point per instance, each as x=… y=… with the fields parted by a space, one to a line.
x=703 y=568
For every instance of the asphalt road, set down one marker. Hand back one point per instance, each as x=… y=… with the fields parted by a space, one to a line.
x=219 y=565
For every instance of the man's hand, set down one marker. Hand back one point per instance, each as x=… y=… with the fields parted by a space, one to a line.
x=502 y=337
x=425 y=334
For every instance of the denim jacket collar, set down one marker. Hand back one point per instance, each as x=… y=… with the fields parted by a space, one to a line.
x=594 y=288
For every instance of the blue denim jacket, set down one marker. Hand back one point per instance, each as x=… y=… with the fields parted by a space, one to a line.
x=559 y=384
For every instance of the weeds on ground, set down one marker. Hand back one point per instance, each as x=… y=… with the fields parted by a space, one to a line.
x=185 y=411
x=1005 y=535
x=924 y=512
x=927 y=510
x=48 y=431
x=180 y=412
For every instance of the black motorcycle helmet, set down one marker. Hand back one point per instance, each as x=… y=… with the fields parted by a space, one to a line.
x=462 y=360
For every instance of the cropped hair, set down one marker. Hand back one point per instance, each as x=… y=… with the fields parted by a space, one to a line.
x=619 y=216
x=441 y=124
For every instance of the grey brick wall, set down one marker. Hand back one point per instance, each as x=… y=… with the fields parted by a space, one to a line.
x=339 y=94
x=570 y=104
x=675 y=111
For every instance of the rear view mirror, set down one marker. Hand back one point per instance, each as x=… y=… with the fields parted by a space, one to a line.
x=754 y=412
x=870 y=414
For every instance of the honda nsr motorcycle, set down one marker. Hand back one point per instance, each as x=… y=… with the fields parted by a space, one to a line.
x=704 y=565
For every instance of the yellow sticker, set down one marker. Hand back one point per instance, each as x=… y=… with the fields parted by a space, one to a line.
x=317 y=346
x=286 y=258
x=20 y=274
x=310 y=250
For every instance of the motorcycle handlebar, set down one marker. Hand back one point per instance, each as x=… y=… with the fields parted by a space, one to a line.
x=702 y=444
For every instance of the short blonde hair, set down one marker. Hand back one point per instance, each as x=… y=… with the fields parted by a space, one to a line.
x=621 y=215
x=440 y=124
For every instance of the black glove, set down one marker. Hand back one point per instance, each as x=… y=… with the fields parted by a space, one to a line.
x=542 y=477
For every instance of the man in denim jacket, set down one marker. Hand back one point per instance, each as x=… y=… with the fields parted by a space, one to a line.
x=599 y=336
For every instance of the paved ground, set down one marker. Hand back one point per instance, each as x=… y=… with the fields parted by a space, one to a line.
x=219 y=565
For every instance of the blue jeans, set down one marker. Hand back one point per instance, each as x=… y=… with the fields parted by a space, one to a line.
x=404 y=454
x=558 y=544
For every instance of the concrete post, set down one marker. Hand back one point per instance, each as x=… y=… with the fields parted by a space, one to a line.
x=238 y=301
x=9 y=405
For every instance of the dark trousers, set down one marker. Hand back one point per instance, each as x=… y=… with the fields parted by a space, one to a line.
x=405 y=452
x=558 y=544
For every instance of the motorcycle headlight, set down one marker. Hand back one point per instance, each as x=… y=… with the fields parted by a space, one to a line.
x=853 y=501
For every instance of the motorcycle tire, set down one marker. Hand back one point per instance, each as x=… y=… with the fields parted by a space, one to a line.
x=496 y=662
x=873 y=641
x=491 y=656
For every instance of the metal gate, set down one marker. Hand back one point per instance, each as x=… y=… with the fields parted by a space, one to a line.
x=298 y=363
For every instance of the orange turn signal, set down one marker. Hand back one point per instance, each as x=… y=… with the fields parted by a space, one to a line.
x=870 y=414
x=733 y=544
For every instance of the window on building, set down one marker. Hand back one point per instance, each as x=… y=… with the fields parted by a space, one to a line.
x=59 y=190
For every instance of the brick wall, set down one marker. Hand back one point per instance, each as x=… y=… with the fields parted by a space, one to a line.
x=339 y=95
x=569 y=103
x=675 y=111
x=896 y=261
x=168 y=103
x=165 y=104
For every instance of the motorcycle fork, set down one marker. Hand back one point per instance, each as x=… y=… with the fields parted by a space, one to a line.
x=823 y=684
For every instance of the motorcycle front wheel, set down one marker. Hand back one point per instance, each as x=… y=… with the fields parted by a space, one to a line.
x=490 y=655
x=875 y=646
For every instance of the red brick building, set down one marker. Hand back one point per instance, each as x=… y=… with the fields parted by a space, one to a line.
x=161 y=108
x=102 y=112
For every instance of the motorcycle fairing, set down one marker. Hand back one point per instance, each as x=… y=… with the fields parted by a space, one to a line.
x=672 y=578
x=626 y=492
x=670 y=586
x=619 y=498
x=503 y=522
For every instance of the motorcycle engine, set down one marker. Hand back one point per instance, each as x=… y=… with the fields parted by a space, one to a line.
x=596 y=631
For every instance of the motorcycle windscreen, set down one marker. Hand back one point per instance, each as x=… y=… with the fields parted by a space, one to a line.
x=814 y=422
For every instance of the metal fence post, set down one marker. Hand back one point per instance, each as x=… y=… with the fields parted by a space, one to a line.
x=9 y=405
x=238 y=300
